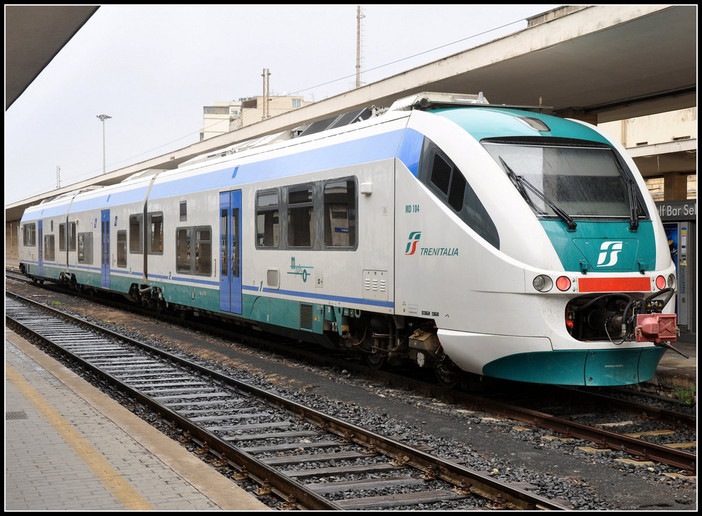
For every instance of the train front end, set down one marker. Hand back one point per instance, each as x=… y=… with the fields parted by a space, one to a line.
x=562 y=273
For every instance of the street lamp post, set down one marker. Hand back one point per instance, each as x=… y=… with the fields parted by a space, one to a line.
x=103 y=118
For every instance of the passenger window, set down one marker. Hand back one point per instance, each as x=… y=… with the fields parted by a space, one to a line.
x=49 y=251
x=203 y=251
x=340 y=213
x=300 y=216
x=85 y=248
x=183 y=256
x=62 y=237
x=194 y=255
x=441 y=174
x=122 y=248
x=29 y=236
x=72 y=236
x=267 y=219
x=155 y=225
x=136 y=235
x=448 y=183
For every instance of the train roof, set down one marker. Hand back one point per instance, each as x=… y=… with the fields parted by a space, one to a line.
x=218 y=169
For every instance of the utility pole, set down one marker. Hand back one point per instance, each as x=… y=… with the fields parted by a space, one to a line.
x=359 y=16
x=266 y=93
x=103 y=118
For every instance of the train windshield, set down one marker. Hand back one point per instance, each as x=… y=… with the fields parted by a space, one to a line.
x=568 y=180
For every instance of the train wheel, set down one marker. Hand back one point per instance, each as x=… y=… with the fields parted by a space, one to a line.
x=376 y=360
x=447 y=373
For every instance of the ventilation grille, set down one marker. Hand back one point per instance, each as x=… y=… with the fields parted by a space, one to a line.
x=306 y=317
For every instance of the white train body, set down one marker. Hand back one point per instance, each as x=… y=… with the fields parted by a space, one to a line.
x=407 y=236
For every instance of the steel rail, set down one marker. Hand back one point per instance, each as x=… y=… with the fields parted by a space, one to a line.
x=600 y=437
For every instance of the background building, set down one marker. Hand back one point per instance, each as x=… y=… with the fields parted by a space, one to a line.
x=223 y=117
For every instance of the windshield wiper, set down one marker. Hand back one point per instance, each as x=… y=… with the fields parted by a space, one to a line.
x=633 y=205
x=520 y=182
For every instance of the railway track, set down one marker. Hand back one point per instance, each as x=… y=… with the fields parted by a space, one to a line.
x=288 y=450
x=641 y=431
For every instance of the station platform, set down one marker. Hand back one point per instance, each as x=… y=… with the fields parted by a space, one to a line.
x=69 y=447
x=676 y=375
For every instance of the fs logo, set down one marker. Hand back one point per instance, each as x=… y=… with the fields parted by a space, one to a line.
x=412 y=244
x=609 y=250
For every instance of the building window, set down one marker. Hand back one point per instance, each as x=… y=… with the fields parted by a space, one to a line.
x=340 y=213
x=267 y=219
x=655 y=187
x=122 y=248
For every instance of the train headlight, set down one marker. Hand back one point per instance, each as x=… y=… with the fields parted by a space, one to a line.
x=542 y=283
x=671 y=280
x=563 y=283
x=660 y=282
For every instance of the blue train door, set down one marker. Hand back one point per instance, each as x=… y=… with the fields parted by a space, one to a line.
x=105 y=248
x=230 y=251
x=40 y=247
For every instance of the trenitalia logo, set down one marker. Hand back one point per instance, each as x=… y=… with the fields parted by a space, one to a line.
x=609 y=250
x=413 y=241
x=412 y=247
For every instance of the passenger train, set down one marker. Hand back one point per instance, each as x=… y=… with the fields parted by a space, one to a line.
x=444 y=231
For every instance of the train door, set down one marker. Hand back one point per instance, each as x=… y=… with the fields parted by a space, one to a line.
x=40 y=248
x=105 y=248
x=230 y=251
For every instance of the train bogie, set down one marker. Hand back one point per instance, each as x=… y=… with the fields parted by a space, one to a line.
x=459 y=237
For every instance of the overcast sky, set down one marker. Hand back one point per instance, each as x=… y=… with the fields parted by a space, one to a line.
x=153 y=68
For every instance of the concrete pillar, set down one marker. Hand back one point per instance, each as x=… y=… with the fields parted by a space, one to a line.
x=674 y=186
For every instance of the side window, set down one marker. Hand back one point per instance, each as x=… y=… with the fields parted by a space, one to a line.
x=447 y=182
x=136 y=235
x=340 y=213
x=72 y=236
x=183 y=255
x=122 y=248
x=49 y=251
x=203 y=251
x=301 y=216
x=29 y=236
x=85 y=248
x=155 y=227
x=62 y=237
x=194 y=250
x=267 y=219
x=183 y=211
